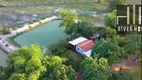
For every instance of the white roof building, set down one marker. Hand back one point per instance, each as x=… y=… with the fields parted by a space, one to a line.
x=83 y=46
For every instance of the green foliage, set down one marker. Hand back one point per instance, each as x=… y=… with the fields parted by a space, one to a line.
x=55 y=70
x=3 y=75
x=25 y=63
x=60 y=48
x=28 y=63
x=31 y=22
x=139 y=62
x=14 y=27
x=95 y=69
x=107 y=32
x=132 y=43
x=74 y=60
x=111 y=19
x=62 y=52
x=16 y=76
x=68 y=18
x=124 y=75
x=113 y=77
x=79 y=29
x=136 y=75
x=109 y=49
x=6 y=31
x=114 y=3
x=38 y=20
x=127 y=75
x=111 y=33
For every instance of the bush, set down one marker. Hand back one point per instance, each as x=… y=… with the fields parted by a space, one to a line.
x=14 y=27
x=38 y=20
x=31 y=22
x=6 y=31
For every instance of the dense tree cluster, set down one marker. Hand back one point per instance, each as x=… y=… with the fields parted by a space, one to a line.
x=132 y=43
x=95 y=69
x=56 y=70
x=29 y=64
x=68 y=18
x=109 y=49
x=79 y=29
x=73 y=27
x=61 y=63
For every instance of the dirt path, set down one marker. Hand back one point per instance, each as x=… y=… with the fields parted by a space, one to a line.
x=130 y=63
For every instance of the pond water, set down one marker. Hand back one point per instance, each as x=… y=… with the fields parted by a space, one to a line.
x=3 y=57
x=44 y=35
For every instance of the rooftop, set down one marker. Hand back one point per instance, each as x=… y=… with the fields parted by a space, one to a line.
x=77 y=40
x=86 y=45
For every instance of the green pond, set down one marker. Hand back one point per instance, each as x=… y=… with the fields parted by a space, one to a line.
x=3 y=57
x=43 y=35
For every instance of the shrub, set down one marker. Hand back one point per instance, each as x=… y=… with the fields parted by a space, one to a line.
x=6 y=31
x=14 y=27
x=31 y=22
x=38 y=20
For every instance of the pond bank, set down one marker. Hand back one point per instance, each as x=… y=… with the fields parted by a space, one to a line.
x=3 y=57
x=4 y=43
x=45 y=35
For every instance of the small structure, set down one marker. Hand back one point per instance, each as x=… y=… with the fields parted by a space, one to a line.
x=83 y=46
x=96 y=36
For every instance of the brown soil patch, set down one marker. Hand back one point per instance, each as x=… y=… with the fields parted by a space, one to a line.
x=130 y=63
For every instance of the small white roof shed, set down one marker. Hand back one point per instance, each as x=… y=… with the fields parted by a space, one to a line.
x=77 y=40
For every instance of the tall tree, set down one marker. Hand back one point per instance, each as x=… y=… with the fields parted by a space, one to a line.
x=95 y=69
x=111 y=19
x=69 y=17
